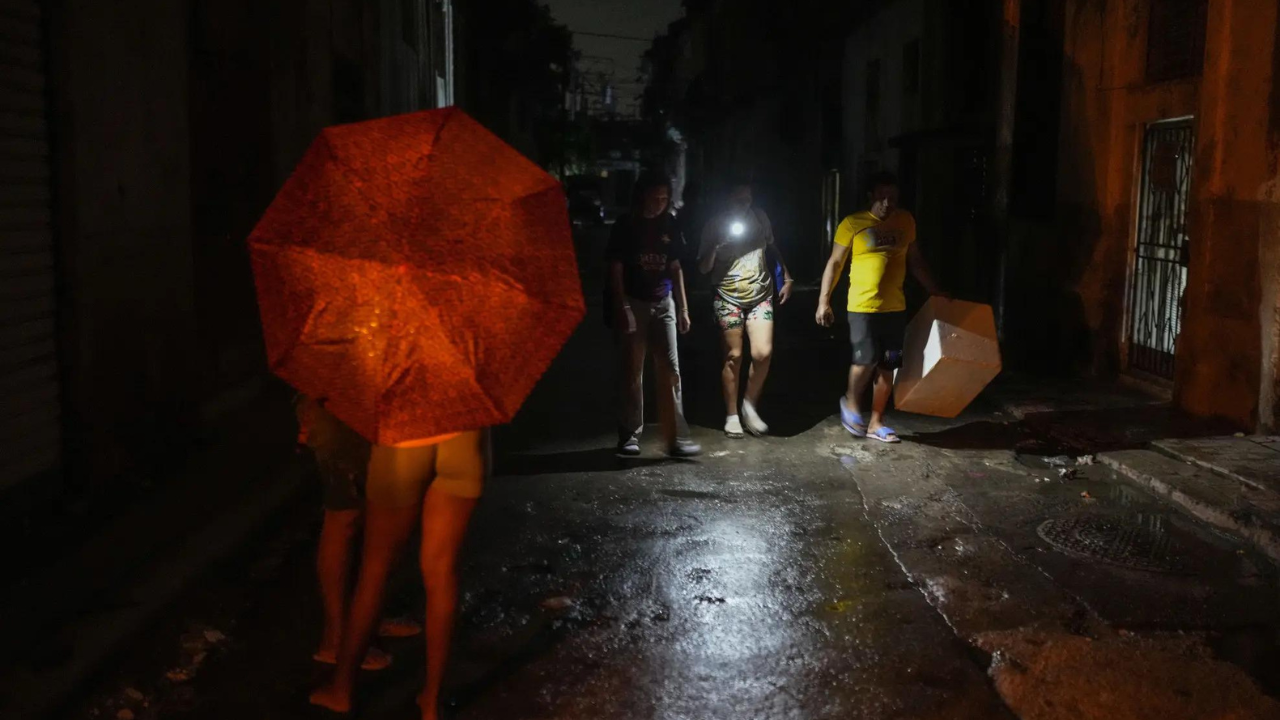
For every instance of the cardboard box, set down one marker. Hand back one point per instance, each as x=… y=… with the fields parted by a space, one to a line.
x=950 y=354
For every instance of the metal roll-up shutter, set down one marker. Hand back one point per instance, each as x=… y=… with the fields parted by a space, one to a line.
x=30 y=432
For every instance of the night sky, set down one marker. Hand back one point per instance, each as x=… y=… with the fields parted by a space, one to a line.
x=634 y=18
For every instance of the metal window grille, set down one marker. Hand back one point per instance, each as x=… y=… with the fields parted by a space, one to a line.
x=1162 y=247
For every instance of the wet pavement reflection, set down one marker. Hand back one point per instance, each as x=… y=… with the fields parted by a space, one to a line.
x=750 y=583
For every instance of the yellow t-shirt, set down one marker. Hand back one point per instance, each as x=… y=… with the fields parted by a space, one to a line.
x=877 y=259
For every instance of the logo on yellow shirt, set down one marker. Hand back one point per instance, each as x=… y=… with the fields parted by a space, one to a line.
x=882 y=238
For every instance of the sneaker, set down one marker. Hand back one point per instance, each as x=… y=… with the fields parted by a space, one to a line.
x=752 y=422
x=733 y=427
x=684 y=449
x=629 y=446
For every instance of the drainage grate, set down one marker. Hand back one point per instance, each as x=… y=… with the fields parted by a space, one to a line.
x=1140 y=544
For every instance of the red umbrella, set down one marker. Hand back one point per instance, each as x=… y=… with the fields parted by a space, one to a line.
x=418 y=273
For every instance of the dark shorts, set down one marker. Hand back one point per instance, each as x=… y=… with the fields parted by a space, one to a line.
x=342 y=462
x=877 y=338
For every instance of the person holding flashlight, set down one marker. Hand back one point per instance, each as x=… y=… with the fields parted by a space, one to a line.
x=735 y=250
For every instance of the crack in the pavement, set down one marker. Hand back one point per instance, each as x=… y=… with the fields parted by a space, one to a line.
x=983 y=660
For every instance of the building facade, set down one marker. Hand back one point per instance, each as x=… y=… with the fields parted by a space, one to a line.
x=1166 y=243
x=1104 y=172
x=143 y=141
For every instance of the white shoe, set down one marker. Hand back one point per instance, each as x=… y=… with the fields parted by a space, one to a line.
x=733 y=427
x=752 y=422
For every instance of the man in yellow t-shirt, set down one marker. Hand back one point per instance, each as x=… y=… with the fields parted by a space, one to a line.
x=881 y=244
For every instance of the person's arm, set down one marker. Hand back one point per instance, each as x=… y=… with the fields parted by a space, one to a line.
x=682 y=299
x=771 y=241
x=617 y=283
x=784 y=292
x=839 y=253
x=840 y=249
x=920 y=270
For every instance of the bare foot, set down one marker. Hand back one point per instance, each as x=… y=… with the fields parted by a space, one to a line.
x=331 y=700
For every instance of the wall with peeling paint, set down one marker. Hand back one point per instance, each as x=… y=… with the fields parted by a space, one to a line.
x=1230 y=340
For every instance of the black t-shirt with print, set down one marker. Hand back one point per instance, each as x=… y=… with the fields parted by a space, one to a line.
x=646 y=248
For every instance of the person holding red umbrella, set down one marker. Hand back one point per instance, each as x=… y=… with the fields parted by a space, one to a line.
x=648 y=308
x=395 y=279
x=438 y=480
x=341 y=457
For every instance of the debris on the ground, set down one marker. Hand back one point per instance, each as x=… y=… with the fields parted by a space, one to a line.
x=214 y=637
x=1058 y=461
x=559 y=602
x=1240 y=435
x=1067 y=473
x=134 y=694
x=1086 y=495
x=1086 y=460
x=178 y=675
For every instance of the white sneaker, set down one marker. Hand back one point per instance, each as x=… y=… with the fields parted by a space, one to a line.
x=733 y=427
x=751 y=420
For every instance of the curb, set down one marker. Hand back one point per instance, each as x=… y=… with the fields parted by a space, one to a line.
x=1220 y=501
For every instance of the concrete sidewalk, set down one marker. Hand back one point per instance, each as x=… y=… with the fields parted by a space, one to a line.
x=1232 y=483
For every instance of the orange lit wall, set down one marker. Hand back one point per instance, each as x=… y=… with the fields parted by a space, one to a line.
x=1227 y=352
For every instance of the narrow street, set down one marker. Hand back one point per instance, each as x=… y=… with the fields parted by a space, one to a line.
x=806 y=575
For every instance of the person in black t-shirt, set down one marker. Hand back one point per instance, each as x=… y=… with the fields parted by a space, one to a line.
x=647 y=308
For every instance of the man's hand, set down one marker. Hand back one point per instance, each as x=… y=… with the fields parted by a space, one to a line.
x=825 y=317
x=684 y=323
x=626 y=319
x=784 y=294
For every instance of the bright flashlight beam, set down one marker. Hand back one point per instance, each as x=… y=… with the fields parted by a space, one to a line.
x=737 y=229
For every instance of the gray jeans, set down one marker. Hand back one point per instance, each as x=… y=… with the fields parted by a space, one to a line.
x=656 y=331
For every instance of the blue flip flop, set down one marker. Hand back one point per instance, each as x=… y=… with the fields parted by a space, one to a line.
x=885 y=435
x=852 y=421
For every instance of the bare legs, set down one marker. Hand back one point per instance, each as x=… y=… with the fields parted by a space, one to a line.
x=438 y=484
x=860 y=377
x=385 y=534
x=760 y=333
x=333 y=568
x=731 y=341
x=444 y=523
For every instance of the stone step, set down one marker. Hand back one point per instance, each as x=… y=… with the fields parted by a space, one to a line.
x=1225 y=502
x=1254 y=461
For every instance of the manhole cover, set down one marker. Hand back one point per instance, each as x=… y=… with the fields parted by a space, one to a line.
x=1139 y=544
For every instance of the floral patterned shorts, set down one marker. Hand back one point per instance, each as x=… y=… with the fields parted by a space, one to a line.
x=730 y=316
